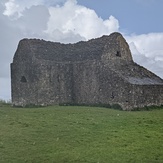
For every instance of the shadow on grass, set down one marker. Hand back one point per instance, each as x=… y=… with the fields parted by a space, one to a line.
x=114 y=106
x=149 y=108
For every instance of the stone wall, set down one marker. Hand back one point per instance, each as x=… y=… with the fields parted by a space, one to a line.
x=100 y=71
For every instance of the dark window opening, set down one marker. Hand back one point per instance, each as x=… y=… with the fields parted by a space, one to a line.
x=58 y=78
x=112 y=95
x=118 y=54
x=23 y=79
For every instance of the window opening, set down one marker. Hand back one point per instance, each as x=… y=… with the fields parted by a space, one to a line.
x=112 y=95
x=118 y=54
x=23 y=79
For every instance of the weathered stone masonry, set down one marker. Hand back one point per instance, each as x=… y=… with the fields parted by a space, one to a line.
x=99 y=71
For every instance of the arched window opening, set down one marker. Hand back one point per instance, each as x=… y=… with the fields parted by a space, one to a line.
x=23 y=79
x=118 y=54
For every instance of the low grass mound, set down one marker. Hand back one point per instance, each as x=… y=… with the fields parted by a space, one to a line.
x=75 y=134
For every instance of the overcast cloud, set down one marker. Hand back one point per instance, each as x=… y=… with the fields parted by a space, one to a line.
x=65 y=21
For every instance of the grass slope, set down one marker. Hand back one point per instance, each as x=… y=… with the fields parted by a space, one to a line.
x=70 y=134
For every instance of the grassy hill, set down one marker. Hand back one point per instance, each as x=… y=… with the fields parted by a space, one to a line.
x=73 y=134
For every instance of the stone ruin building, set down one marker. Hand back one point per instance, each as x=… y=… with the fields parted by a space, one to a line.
x=95 y=72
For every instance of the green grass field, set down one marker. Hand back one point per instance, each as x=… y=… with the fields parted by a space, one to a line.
x=69 y=134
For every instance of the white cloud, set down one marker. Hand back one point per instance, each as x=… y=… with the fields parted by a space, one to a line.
x=33 y=20
x=79 y=20
x=69 y=22
x=147 y=50
x=14 y=8
x=11 y=8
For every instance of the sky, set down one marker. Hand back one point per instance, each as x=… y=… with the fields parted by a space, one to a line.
x=70 y=21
